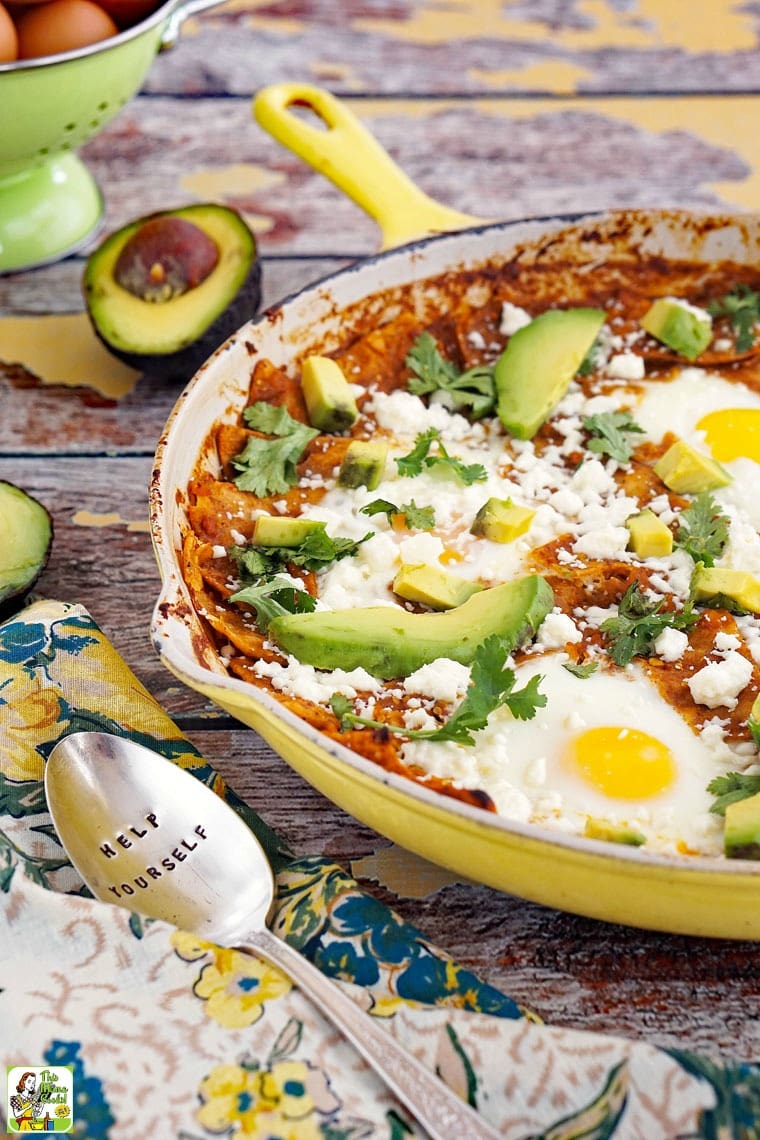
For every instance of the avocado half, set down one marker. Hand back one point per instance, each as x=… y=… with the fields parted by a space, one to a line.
x=27 y=530
x=172 y=333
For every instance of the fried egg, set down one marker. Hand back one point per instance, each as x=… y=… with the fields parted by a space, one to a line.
x=717 y=417
x=606 y=747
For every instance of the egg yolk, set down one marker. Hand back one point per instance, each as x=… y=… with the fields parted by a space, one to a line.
x=622 y=763
x=732 y=433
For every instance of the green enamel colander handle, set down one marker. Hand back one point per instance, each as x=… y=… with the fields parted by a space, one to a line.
x=182 y=10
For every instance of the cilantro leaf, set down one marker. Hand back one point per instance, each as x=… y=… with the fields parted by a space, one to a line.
x=317 y=550
x=268 y=466
x=420 y=457
x=471 y=391
x=412 y=463
x=582 y=671
x=638 y=624
x=732 y=787
x=703 y=530
x=609 y=432
x=274 y=598
x=742 y=307
x=491 y=685
x=416 y=518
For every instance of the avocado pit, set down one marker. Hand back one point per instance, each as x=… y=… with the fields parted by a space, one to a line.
x=164 y=258
x=166 y=290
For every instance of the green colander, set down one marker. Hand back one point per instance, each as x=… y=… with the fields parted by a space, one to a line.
x=49 y=201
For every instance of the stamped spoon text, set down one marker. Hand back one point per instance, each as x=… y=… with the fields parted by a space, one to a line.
x=176 y=855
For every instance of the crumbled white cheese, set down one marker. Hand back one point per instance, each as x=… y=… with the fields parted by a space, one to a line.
x=513 y=318
x=605 y=542
x=557 y=630
x=626 y=366
x=219 y=551
x=298 y=680
x=671 y=644
x=420 y=548
x=442 y=680
x=725 y=642
x=720 y=682
x=406 y=415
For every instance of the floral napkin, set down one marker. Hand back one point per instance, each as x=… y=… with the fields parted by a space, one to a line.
x=116 y=1026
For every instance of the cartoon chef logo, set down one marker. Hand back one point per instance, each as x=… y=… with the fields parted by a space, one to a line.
x=40 y=1099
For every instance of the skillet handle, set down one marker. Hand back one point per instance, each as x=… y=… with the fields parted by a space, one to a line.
x=347 y=154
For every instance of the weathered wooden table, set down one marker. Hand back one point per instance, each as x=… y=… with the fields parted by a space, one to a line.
x=501 y=110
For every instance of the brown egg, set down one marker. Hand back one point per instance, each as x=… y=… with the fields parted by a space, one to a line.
x=61 y=25
x=8 y=38
x=127 y=13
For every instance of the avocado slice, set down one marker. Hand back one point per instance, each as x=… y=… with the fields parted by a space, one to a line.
x=535 y=369
x=500 y=520
x=391 y=642
x=650 y=537
x=687 y=471
x=363 y=464
x=165 y=291
x=613 y=832
x=269 y=530
x=741 y=837
x=27 y=536
x=678 y=325
x=330 y=402
x=727 y=589
x=433 y=587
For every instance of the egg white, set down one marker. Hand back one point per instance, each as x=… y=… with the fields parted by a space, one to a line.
x=679 y=405
x=520 y=763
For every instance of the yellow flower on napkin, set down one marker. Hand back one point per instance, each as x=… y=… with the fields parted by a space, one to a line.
x=233 y=1098
x=234 y=984
x=297 y=1089
x=30 y=716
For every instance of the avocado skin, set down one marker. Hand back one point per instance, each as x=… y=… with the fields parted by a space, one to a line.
x=30 y=516
x=192 y=346
x=390 y=642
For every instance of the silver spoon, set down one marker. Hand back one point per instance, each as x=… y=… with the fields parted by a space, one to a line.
x=147 y=835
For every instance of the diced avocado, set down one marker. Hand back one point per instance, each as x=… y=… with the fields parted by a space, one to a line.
x=650 y=537
x=363 y=464
x=741 y=837
x=679 y=325
x=329 y=400
x=754 y=712
x=27 y=535
x=164 y=291
x=268 y=530
x=391 y=642
x=535 y=369
x=432 y=586
x=687 y=472
x=501 y=521
x=613 y=832
x=728 y=589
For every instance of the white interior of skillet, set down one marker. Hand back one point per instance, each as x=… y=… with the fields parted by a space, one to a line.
x=324 y=316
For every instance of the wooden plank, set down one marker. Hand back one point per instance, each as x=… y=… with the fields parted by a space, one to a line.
x=472 y=46
x=502 y=159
